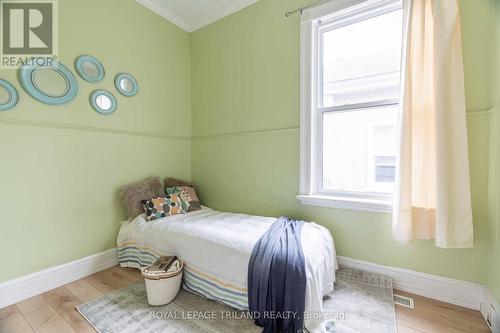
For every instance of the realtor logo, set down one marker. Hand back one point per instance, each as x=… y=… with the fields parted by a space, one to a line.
x=29 y=30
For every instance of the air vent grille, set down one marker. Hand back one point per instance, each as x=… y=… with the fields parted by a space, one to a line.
x=404 y=301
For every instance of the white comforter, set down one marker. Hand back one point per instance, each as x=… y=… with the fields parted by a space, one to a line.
x=220 y=244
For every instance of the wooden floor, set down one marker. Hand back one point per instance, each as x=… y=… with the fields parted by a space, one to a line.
x=54 y=311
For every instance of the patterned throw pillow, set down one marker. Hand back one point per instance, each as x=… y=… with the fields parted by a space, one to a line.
x=188 y=187
x=159 y=207
x=188 y=194
x=183 y=195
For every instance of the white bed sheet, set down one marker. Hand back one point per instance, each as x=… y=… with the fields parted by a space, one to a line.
x=219 y=244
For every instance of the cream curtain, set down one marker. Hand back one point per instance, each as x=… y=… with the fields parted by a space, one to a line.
x=432 y=196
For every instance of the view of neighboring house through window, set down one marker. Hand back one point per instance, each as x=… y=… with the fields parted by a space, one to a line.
x=359 y=61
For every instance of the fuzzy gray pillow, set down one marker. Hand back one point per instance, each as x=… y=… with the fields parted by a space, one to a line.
x=173 y=182
x=133 y=195
x=156 y=186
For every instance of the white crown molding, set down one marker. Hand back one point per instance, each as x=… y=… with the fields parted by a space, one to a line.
x=466 y=294
x=30 y=285
x=166 y=14
x=193 y=26
x=222 y=12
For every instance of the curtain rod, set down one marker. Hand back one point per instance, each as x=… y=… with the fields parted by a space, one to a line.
x=314 y=4
x=301 y=9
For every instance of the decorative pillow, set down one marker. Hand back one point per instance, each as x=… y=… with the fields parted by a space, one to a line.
x=134 y=194
x=183 y=195
x=159 y=207
x=173 y=182
x=156 y=186
x=190 y=196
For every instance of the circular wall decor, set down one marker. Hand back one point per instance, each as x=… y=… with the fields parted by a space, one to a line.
x=103 y=102
x=8 y=95
x=126 y=84
x=89 y=68
x=52 y=84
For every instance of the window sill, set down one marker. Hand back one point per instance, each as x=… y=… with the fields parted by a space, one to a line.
x=368 y=205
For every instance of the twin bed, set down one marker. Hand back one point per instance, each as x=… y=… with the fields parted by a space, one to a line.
x=216 y=248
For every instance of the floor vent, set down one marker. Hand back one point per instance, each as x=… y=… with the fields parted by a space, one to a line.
x=404 y=301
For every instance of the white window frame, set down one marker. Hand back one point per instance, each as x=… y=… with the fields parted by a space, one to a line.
x=334 y=14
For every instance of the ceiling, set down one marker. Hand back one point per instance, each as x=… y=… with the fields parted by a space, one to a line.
x=192 y=15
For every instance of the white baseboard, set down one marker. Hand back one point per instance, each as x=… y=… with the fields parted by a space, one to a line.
x=30 y=285
x=466 y=294
x=490 y=309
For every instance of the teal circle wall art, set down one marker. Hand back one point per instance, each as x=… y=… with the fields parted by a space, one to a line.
x=52 y=84
x=126 y=84
x=89 y=68
x=8 y=95
x=103 y=102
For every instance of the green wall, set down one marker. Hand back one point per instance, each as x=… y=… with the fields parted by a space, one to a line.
x=62 y=166
x=245 y=128
x=220 y=106
x=493 y=263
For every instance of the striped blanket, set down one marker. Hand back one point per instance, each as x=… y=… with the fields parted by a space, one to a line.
x=194 y=280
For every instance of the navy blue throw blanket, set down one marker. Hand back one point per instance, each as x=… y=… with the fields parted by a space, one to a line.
x=277 y=279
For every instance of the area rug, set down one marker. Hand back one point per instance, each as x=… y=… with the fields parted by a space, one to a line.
x=362 y=302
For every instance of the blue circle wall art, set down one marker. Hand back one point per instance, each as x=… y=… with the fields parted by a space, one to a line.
x=89 y=68
x=52 y=84
x=126 y=84
x=103 y=102
x=8 y=95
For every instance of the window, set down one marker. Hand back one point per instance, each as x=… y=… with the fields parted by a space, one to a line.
x=385 y=166
x=351 y=66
